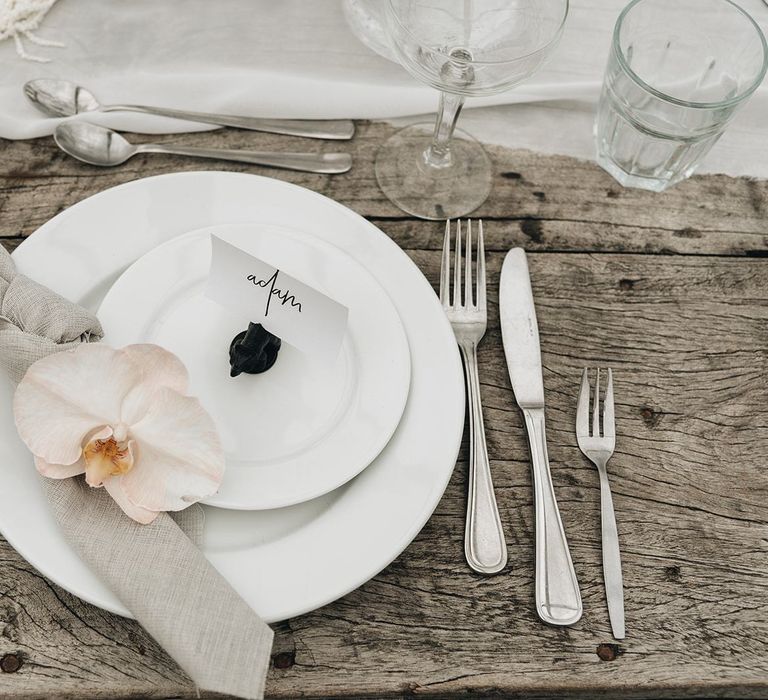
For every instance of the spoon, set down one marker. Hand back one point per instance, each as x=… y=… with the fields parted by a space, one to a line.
x=98 y=145
x=61 y=98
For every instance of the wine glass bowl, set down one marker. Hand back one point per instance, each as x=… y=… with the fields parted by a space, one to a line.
x=498 y=43
x=463 y=48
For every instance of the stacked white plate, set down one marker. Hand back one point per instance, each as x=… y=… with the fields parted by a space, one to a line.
x=332 y=470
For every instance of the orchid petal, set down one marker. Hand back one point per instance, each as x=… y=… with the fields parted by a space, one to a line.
x=114 y=487
x=159 y=368
x=64 y=396
x=179 y=456
x=64 y=471
x=59 y=471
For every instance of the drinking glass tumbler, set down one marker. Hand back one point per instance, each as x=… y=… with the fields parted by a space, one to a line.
x=678 y=71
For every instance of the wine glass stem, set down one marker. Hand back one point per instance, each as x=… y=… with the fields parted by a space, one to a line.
x=438 y=154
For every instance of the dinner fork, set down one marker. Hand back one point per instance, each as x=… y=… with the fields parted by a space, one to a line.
x=484 y=545
x=599 y=448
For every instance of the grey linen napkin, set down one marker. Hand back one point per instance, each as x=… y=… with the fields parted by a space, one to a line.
x=155 y=570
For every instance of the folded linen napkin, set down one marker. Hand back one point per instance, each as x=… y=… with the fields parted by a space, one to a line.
x=184 y=603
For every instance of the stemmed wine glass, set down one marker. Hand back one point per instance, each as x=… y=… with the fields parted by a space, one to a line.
x=463 y=48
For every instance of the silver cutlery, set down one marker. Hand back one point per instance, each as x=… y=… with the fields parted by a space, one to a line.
x=558 y=600
x=598 y=447
x=484 y=545
x=61 y=98
x=98 y=145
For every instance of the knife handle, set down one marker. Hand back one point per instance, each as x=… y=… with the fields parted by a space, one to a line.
x=558 y=601
x=484 y=544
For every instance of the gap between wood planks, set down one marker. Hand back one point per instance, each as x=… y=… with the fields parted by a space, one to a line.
x=12 y=242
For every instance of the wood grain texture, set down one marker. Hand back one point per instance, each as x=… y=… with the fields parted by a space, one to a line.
x=672 y=292
x=545 y=203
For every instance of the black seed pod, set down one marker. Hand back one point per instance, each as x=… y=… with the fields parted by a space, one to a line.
x=253 y=351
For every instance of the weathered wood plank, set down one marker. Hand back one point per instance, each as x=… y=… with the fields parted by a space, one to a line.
x=682 y=322
x=688 y=340
x=548 y=203
x=690 y=498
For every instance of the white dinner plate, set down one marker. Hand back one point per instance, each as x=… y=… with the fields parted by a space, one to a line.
x=287 y=561
x=307 y=425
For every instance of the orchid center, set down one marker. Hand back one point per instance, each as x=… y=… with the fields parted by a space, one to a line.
x=108 y=456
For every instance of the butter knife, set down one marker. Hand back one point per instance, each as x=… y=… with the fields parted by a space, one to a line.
x=558 y=601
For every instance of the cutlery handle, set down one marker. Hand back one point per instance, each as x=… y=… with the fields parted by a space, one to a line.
x=335 y=129
x=558 y=601
x=484 y=544
x=614 y=588
x=306 y=162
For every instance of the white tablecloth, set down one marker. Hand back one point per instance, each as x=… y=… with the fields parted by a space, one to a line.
x=297 y=58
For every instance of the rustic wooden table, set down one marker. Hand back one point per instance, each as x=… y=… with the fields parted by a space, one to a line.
x=671 y=291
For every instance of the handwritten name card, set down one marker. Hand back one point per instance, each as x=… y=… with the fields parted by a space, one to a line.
x=295 y=312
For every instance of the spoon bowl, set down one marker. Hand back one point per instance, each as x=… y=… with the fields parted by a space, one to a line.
x=93 y=144
x=60 y=98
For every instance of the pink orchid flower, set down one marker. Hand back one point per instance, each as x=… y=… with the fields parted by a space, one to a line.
x=122 y=418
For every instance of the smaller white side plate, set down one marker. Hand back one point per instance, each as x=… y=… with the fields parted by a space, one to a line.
x=304 y=427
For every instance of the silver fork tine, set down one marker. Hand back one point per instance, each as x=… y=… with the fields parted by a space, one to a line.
x=480 y=268
x=596 y=407
x=468 y=267
x=582 y=408
x=445 y=267
x=609 y=423
x=457 y=267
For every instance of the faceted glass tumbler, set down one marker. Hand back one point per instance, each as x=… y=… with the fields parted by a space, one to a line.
x=677 y=72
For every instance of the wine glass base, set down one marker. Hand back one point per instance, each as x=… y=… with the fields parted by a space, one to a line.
x=428 y=192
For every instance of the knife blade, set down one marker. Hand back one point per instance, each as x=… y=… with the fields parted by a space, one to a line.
x=520 y=331
x=558 y=600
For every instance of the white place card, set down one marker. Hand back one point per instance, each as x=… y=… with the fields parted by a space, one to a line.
x=295 y=312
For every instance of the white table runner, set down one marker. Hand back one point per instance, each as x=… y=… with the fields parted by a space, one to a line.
x=297 y=58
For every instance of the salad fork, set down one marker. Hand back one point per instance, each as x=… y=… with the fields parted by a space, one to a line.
x=598 y=447
x=484 y=545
